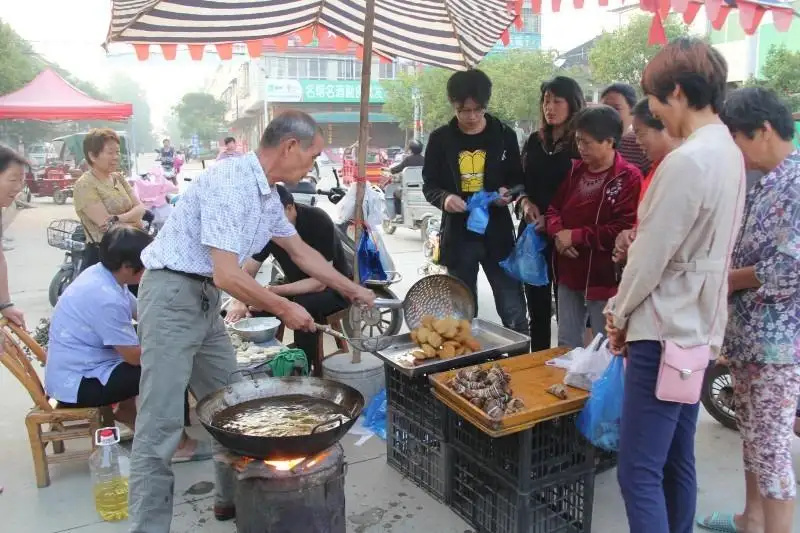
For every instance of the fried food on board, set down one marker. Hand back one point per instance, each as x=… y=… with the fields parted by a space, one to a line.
x=443 y=338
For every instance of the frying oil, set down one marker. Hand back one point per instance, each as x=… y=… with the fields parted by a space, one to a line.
x=111 y=499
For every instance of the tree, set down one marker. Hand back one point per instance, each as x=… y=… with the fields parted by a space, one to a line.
x=620 y=56
x=200 y=114
x=513 y=76
x=781 y=73
x=123 y=88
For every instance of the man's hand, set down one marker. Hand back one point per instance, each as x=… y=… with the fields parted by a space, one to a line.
x=236 y=311
x=571 y=252
x=295 y=317
x=361 y=296
x=622 y=244
x=454 y=204
x=530 y=212
x=14 y=315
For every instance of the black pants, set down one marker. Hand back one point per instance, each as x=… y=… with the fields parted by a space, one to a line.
x=540 y=309
x=122 y=384
x=509 y=298
x=319 y=305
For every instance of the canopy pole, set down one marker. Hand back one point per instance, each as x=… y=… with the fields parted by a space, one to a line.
x=363 y=142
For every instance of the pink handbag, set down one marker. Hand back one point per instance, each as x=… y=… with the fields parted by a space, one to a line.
x=681 y=371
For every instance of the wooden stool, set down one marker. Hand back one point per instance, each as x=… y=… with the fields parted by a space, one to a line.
x=335 y=321
x=62 y=424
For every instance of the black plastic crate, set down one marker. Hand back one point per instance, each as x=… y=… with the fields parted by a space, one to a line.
x=557 y=504
x=417 y=453
x=551 y=447
x=414 y=398
x=604 y=460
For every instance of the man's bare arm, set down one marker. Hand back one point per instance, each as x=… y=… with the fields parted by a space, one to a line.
x=242 y=286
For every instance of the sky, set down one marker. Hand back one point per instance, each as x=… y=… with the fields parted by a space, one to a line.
x=70 y=33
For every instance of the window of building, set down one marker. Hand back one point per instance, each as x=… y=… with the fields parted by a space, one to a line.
x=387 y=71
x=278 y=67
x=244 y=80
x=314 y=70
x=291 y=72
x=531 y=22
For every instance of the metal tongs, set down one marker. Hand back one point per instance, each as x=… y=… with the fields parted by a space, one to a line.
x=362 y=344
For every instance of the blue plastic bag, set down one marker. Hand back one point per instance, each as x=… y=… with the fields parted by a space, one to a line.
x=369 y=259
x=600 y=419
x=375 y=415
x=527 y=263
x=478 y=207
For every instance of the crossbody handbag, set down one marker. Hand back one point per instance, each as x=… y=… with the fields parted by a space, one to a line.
x=681 y=371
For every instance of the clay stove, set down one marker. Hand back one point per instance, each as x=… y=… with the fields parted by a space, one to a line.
x=297 y=496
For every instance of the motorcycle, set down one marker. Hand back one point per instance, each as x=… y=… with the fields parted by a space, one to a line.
x=155 y=192
x=70 y=236
x=717 y=394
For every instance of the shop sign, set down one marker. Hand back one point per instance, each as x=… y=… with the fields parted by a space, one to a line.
x=322 y=91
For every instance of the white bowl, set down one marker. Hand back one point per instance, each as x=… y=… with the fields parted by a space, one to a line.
x=259 y=329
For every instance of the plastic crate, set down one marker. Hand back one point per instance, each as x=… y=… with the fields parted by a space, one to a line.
x=604 y=460
x=551 y=447
x=417 y=454
x=557 y=504
x=414 y=398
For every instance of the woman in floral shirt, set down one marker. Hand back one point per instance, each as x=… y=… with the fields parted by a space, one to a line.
x=763 y=334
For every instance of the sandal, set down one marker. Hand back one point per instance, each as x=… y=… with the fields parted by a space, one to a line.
x=202 y=452
x=721 y=522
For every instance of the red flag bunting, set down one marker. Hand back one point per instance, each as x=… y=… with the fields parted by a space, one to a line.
x=518 y=22
x=656 y=35
x=722 y=15
x=556 y=6
x=536 y=6
x=680 y=5
x=254 y=48
x=196 y=51
x=663 y=8
x=281 y=42
x=578 y=4
x=142 y=51
x=782 y=18
x=505 y=38
x=712 y=9
x=750 y=16
x=169 y=51
x=691 y=12
x=306 y=35
x=225 y=50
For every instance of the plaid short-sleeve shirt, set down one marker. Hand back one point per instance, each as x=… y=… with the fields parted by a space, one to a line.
x=230 y=207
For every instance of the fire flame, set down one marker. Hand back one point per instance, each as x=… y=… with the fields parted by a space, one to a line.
x=285 y=466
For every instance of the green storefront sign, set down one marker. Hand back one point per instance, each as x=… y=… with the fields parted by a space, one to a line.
x=322 y=91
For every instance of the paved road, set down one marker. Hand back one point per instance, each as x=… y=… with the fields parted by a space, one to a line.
x=374 y=492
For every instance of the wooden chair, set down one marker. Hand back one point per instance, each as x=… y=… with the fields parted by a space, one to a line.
x=44 y=422
x=336 y=322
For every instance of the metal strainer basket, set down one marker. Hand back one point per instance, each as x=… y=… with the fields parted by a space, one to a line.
x=362 y=344
x=438 y=295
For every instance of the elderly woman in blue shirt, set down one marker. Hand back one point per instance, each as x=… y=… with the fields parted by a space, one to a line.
x=94 y=355
x=762 y=340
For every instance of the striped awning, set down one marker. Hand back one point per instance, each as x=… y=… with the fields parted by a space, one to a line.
x=453 y=34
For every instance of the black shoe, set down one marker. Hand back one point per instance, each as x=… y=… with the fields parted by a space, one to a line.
x=224 y=513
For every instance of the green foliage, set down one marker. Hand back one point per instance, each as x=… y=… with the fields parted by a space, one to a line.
x=516 y=76
x=201 y=114
x=781 y=73
x=621 y=55
x=123 y=88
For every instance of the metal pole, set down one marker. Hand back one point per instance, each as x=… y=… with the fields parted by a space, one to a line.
x=363 y=141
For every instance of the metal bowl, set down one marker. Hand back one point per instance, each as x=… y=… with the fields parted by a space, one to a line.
x=261 y=329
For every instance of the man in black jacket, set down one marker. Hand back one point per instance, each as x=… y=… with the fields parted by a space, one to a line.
x=474 y=152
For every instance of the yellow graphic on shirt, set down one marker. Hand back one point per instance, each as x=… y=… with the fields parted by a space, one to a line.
x=471 y=165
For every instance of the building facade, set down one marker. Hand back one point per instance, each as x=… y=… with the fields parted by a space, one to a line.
x=315 y=78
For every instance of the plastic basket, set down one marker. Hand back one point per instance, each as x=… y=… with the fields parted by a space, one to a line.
x=551 y=447
x=66 y=234
x=414 y=398
x=560 y=503
x=417 y=454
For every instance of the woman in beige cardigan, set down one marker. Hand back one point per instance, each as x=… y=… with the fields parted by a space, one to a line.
x=674 y=284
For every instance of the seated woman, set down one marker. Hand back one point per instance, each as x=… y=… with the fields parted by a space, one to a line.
x=94 y=355
x=592 y=206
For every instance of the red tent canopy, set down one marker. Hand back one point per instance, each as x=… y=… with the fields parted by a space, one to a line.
x=50 y=97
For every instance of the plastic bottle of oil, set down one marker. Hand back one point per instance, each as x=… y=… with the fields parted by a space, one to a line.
x=110 y=468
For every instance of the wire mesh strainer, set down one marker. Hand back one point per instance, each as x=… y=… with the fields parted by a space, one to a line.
x=439 y=296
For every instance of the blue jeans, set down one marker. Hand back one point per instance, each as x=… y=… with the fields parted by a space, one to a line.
x=656 y=469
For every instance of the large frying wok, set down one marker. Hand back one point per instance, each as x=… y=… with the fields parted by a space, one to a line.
x=280 y=448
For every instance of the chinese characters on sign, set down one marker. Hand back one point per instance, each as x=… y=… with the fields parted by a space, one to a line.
x=322 y=91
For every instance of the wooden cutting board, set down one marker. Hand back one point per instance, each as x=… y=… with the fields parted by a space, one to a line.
x=530 y=379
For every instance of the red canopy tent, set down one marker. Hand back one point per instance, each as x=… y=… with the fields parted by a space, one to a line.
x=50 y=97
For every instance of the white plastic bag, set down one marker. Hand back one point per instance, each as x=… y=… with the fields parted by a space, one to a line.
x=374 y=206
x=588 y=364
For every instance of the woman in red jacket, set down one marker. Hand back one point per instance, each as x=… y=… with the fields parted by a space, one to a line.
x=593 y=205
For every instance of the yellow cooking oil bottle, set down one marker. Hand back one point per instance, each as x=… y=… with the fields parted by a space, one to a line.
x=110 y=468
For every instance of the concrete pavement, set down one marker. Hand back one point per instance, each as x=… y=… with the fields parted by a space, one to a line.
x=378 y=499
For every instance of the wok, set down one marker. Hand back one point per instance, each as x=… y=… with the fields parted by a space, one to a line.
x=280 y=448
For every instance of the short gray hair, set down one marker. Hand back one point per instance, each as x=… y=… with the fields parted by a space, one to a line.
x=290 y=125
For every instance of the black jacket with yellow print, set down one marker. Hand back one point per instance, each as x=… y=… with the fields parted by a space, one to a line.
x=447 y=168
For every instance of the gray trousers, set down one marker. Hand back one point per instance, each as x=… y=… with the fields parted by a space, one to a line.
x=573 y=309
x=181 y=345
